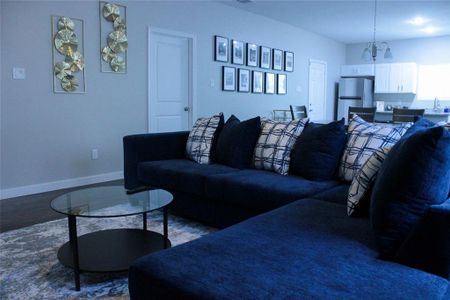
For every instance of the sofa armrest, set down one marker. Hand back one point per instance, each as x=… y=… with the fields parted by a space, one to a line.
x=428 y=247
x=148 y=147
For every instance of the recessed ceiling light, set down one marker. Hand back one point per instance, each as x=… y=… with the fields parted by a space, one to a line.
x=417 y=21
x=430 y=29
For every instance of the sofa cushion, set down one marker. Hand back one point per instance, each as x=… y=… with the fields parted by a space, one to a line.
x=274 y=146
x=363 y=182
x=309 y=249
x=202 y=140
x=364 y=139
x=236 y=142
x=414 y=176
x=337 y=194
x=262 y=190
x=318 y=150
x=179 y=174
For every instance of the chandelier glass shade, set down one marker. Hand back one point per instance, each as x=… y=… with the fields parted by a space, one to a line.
x=373 y=49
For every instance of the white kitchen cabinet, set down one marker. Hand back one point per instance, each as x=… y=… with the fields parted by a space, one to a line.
x=357 y=70
x=396 y=78
x=409 y=78
x=382 y=76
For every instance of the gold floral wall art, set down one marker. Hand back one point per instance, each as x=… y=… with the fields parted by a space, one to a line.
x=113 y=37
x=68 y=55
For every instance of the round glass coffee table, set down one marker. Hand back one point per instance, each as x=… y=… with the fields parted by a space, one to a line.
x=110 y=250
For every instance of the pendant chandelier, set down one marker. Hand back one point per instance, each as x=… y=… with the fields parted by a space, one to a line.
x=372 y=49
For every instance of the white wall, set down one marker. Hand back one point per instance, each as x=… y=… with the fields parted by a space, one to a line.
x=48 y=137
x=426 y=51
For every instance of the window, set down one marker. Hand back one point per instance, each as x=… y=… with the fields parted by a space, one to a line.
x=434 y=82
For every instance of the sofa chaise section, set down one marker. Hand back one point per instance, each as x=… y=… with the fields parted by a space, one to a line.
x=308 y=249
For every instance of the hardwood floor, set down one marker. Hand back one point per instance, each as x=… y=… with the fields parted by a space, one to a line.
x=34 y=209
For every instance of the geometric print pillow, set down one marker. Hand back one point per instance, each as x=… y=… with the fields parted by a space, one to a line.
x=364 y=180
x=200 y=141
x=275 y=143
x=364 y=139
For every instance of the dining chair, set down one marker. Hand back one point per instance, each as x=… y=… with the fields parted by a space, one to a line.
x=281 y=115
x=298 y=112
x=401 y=115
x=365 y=113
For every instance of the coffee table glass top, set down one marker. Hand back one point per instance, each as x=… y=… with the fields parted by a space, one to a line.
x=109 y=201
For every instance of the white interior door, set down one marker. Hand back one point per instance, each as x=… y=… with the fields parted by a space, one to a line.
x=317 y=90
x=171 y=81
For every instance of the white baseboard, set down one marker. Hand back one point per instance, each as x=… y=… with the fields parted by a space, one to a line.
x=57 y=185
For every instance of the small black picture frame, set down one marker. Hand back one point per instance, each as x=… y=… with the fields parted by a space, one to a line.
x=277 y=59
x=228 y=78
x=288 y=61
x=238 y=52
x=221 y=48
x=265 y=57
x=252 y=55
x=244 y=80
x=269 y=87
x=257 y=82
x=282 y=84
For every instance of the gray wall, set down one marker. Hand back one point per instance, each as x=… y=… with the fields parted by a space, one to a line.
x=48 y=137
x=425 y=51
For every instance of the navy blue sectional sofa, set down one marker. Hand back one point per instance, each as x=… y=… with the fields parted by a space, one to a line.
x=285 y=237
x=215 y=194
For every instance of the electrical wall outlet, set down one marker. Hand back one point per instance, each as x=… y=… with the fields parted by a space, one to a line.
x=94 y=154
x=18 y=73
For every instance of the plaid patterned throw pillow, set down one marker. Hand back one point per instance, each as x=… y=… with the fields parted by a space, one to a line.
x=365 y=138
x=273 y=149
x=364 y=179
x=199 y=145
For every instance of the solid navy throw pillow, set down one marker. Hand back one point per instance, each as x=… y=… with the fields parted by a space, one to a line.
x=419 y=124
x=414 y=176
x=237 y=142
x=216 y=138
x=318 y=150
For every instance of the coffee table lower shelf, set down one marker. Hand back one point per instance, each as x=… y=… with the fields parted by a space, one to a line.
x=112 y=250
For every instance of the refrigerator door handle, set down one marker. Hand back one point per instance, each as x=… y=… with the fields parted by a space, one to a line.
x=350 y=98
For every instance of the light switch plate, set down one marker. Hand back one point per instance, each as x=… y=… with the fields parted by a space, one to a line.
x=18 y=73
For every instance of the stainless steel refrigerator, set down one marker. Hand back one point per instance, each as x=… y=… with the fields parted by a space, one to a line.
x=356 y=92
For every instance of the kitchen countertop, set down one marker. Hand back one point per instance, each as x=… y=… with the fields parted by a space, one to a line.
x=427 y=113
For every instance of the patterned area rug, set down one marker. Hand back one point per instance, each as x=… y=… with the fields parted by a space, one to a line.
x=29 y=268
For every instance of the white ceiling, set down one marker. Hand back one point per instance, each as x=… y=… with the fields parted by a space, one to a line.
x=352 y=21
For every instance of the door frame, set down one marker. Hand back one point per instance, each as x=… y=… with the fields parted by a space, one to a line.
x=311 y=61
x=192 y=69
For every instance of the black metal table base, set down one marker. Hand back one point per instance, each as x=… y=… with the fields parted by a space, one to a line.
x=110 y=250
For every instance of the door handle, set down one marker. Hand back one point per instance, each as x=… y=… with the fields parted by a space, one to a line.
x=187 y=108
x=402 y=87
